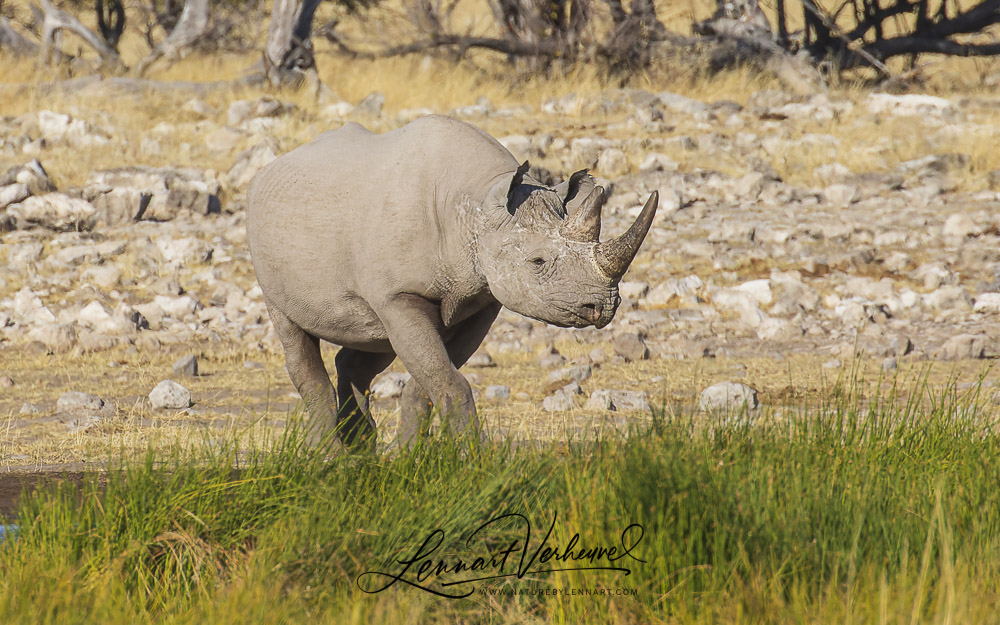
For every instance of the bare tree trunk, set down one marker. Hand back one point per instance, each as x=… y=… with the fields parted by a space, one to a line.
x=782 y=24
x=54 y=20
x=288 y=54
x=192 y=26
x=111 y=21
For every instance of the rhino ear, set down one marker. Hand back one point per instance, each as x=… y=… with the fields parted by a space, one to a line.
x=515 y=182
x=575 y=190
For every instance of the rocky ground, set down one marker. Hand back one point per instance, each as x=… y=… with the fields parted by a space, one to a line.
x=794 y=235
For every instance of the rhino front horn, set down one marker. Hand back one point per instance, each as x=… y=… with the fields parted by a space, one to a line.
x=585 y=224
x=616 y=255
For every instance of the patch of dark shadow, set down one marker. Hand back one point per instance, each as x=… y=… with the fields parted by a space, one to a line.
x=14 y=484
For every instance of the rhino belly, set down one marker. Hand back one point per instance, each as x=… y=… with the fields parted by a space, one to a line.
x=321 y=303
x=348 y=322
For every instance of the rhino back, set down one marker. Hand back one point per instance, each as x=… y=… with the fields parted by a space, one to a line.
x=352 y=217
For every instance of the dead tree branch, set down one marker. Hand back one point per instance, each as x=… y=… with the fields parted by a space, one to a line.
x=935 y=36
x=853 y=46
x=190 y=28
x=741 y=33
x=12 y=41
x=868 y=45
x=918 y=45
x=55 y=20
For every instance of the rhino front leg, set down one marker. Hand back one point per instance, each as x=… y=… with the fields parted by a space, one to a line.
x=416 y=403
x=414 y=414
x=355 y=372
x=308 y=373
x=415 y=330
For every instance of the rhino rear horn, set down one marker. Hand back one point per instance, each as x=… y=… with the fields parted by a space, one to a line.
x=616 y=255
x=516 y=181
x=585 y=224
x=569 y=189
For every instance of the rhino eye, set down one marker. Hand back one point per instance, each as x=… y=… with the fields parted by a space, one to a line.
x=537 y=261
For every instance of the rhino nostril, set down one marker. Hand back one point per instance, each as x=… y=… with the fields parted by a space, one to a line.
x=591 y=311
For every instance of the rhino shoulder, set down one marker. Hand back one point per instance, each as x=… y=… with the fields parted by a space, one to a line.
x=351 y=131
x=439 y=121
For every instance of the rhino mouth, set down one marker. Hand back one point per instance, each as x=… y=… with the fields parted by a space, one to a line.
x=609 y=310
x=589 y=314
x=562 y=317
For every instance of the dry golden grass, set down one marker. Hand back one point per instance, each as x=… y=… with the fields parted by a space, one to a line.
x=863 y=141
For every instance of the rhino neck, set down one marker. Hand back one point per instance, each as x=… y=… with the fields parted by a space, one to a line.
x=459 y=280
x=462 y=213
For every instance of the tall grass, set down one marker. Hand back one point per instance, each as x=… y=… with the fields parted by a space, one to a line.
x=878 y=510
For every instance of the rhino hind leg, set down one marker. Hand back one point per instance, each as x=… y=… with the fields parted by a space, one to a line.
x=416 y=403
x=304 y=363
x=355 y=372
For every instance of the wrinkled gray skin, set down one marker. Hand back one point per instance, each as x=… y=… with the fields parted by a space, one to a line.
x=407 y=244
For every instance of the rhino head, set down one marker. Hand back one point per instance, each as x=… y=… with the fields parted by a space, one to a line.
x=543 y=258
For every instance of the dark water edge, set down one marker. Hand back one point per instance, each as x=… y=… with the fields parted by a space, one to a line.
x=14 y=484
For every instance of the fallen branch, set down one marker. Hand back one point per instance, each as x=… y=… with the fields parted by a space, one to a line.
x=918 y=45
x=463 y=43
